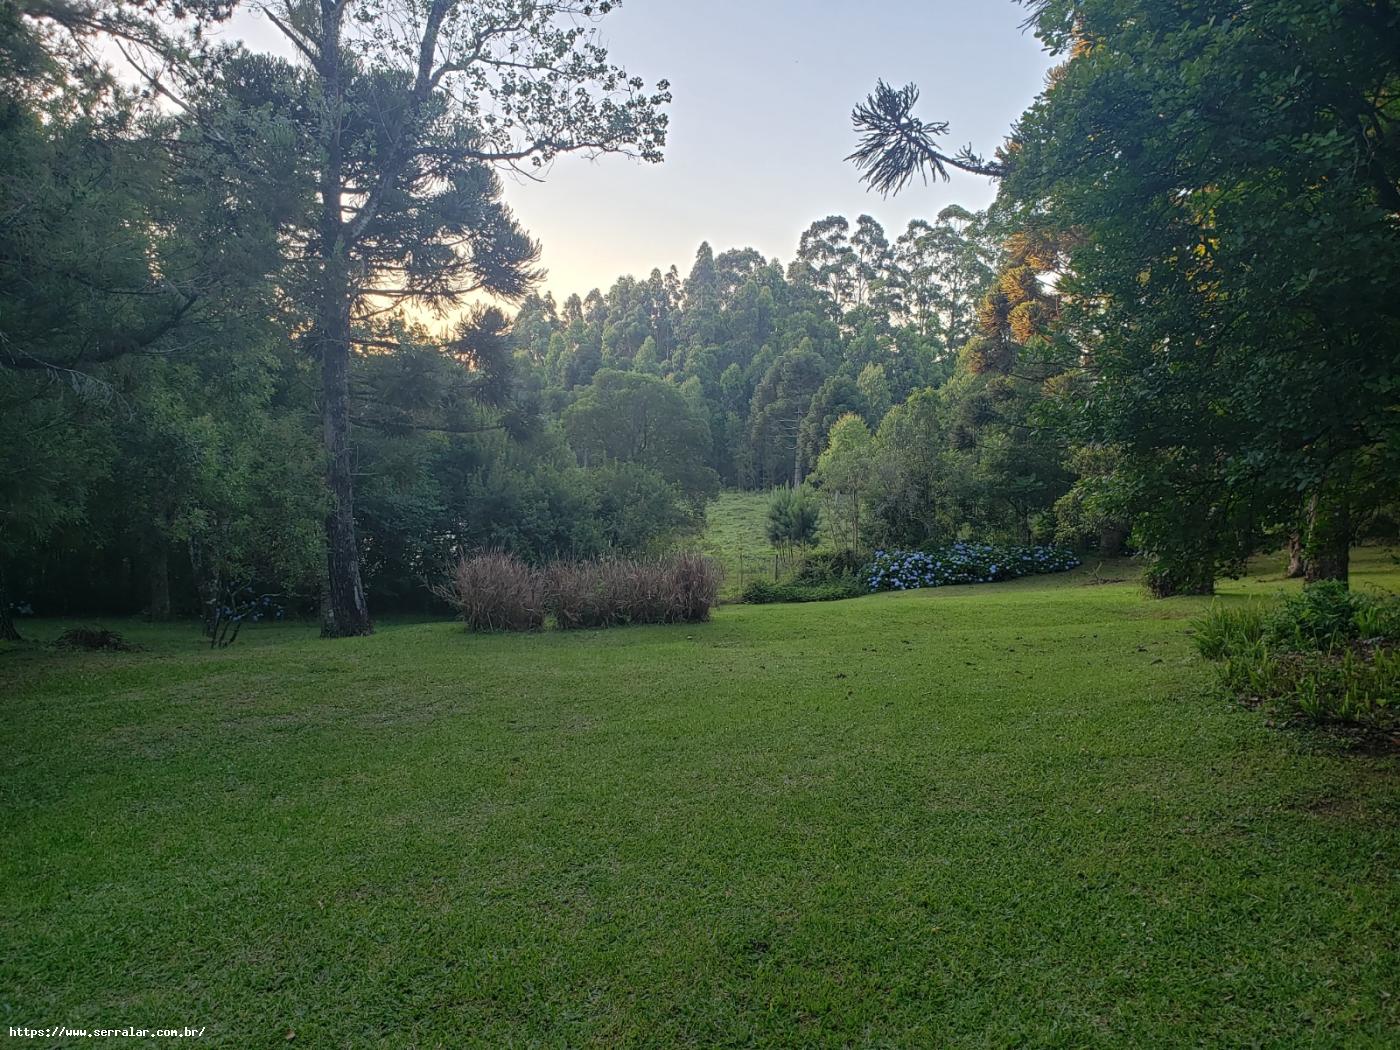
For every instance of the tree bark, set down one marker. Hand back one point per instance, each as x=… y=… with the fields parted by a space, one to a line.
x=8 y=631
x=1297 y=564
x=160 y=583
x=1111 y=540
x=1329 y=539
x=347 y=611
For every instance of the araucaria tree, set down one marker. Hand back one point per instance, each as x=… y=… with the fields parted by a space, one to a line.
x=408 y=106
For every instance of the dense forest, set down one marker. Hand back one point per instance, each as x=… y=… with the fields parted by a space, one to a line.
x=248 y=352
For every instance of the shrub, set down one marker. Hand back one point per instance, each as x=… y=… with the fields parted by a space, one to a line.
x=1328 y=654
x=499 y=592
x=1222 y=630
x=94 y=639
x=826 y=567
x=963 y=563
x=763 y=592
x=496 y=591
x=676 y=588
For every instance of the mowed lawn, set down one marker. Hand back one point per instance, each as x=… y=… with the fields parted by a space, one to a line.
x=1014 y=814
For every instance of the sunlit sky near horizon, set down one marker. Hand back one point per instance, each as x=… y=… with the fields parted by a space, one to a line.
x=761 y=121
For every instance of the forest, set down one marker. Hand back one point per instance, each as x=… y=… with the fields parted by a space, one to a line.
x=979 y=631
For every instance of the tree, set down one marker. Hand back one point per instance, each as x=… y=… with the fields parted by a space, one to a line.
x=408 y=103
x=844 y=469
x=792 y=521
x=895 y=145
x=1239 y=366
x=631 y=417
x=874 y=387
x=1228 y=178
x=780 y=403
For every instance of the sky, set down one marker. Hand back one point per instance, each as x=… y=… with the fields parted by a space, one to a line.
x=763 y=92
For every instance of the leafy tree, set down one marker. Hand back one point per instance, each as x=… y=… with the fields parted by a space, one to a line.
x=780 y=403
x=1228 y=178
x=629 y=417
x=843 y=471
x=874 y=388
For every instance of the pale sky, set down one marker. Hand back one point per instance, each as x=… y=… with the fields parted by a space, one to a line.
x=761 y=121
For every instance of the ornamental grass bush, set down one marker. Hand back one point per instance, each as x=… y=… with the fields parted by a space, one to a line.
x=963 y=563
x=499 y=592
x=607 y=592
x=1326 y=654
x=495 y=591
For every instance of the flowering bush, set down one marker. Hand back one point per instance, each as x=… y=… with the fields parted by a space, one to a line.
x=963 y=563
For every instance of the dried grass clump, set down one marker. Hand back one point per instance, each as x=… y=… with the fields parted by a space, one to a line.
x=498 y=592
x=675 y=588
x=495 y=591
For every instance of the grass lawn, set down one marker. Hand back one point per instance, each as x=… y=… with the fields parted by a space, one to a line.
x=1013 y=814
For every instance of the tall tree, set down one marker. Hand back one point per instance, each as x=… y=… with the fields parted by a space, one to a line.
x=411 y=102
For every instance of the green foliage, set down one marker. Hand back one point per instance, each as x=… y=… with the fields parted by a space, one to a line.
x=1227 y=629
x=793 y=519
x=765 y=592
x=834 y=566
x=843 y=474
x=1225 y=296
x=629 y=417
x=821 y=576
x=1327 y=653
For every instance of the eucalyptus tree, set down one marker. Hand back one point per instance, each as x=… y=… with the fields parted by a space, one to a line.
x=412 y=104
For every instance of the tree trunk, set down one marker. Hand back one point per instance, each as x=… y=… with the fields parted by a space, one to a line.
x=347 y=611
x=8 y=631
x=1297 y=564
x=205 y=584
x=160 y=583
x=1329 y=539
x=1111 y=540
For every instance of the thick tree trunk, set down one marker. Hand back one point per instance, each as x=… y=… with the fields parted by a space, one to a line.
x=160 y=583
x=8 y=631
x=1329 y=541
x=1111 y=540
x=346 y=613
x=1297 y=564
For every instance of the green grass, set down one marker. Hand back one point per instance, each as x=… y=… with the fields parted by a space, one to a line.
x=735 y=527
x=1013 y=814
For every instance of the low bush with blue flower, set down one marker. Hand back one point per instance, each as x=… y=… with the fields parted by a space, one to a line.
x=963 y=563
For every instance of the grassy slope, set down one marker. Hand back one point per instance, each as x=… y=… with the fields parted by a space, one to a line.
x=982 y=816
x=734 y=526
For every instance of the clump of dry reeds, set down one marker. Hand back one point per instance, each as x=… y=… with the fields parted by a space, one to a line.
x=496 y=592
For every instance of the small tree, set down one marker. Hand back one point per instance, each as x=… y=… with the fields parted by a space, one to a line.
x=793 y=520
x=844 y=469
